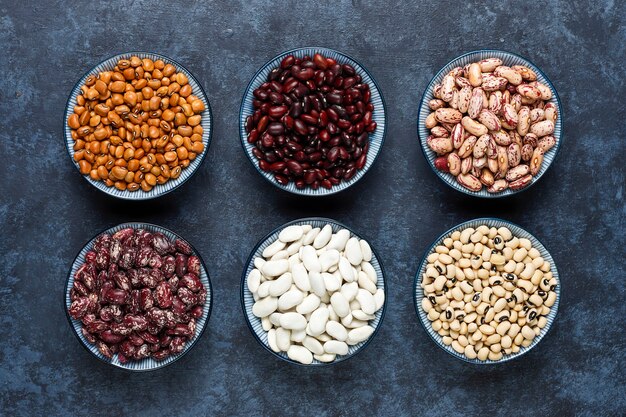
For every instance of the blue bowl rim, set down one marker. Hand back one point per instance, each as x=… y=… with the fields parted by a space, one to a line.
x=178 y=356
x=321 y=192
x=209 y=135
x=559 y=109
x=250 y=260
x=439 y=343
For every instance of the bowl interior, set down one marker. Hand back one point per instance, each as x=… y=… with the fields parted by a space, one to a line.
x=147 y=364
x=508 y=59
x=517 y=231
x=376 y=138
x=254 y=323
x=186 y=173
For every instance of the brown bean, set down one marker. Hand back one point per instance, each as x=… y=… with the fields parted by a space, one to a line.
x=85 y=167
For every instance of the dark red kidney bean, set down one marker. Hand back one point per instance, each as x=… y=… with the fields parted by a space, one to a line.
x=275 y=129
x=338 y=82
x=332 y=129
x=267 y=141
x=300 y=156
x=281 y=179
x=332 y=114
x=371 y=127
x=277 y=112
x=349 y=82
x=343 y=153
x=359 y=127
x=288 y=122
x=253 y=136
x=343 y=124
x=262 y=125
x=327 y=184
x=264 y=165
x=367 y=118
x=324 y=136
x=277 y=166
x=265 y=107
x=334 y=98
x=360 y=163
x=347 y=69
x=260 y=94
x=355 y=118
x=306 y=118
x=290 y=85
x=257 y=152
x=320 y=61
x=300 y=127
x=333 y=154
x=319 y=78
x=294 y=167
x=315 y=156
x=296 y=110
x=349 y=173
x=310 y=177
x=287 y=61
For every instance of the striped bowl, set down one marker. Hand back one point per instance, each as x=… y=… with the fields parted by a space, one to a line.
x=247 y=300
x=186 y=173
x=379 y=116
x=517 y=231
x=147 y=364
x=509 y=59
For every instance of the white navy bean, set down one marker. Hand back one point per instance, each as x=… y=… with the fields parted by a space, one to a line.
x=300 y=354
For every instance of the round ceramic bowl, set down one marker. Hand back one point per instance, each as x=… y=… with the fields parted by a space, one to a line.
x=517 y=231
x=508 y=59
x=159 y=189
x=247 y=300
x=148 y=364
x=379 y=116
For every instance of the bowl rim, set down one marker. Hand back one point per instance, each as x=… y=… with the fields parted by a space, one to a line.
x=417 y=280
x=208 y=135
x=428 y=91
x=320 y=192
x=243 y=289
x=199 y=332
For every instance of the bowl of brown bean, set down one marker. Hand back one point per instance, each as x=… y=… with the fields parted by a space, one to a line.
x=137 y=125
x=312 y=121
x=487 y=291
x=490 y=123
x=138 y=296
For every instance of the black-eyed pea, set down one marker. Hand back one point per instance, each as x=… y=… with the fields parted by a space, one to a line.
x=447 y=340
x=432 y=257
x=542 y=322
x=513 y=243
x=455 y=254
x=499 y=291
x=467 y=248
x=436 y=325
x=441 y=249
x=526 y=343
x=537 y=277
x=507 y=253
x=509 y=267
x=486 y=296
x=520 y=254
x=450 y=271
x=549 y=302
x=455 y=326
x=537 y=261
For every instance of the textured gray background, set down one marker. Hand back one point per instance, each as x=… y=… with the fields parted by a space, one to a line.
x=47 y=211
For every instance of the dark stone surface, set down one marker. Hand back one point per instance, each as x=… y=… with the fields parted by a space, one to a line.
x=47 y=211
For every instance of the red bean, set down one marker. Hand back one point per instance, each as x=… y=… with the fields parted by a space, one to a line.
x=311 y=122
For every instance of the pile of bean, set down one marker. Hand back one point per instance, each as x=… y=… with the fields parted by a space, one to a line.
x=137 y=125
x=487 y=292
x=138 y=295
x=491 y=125
x=315 y=292
x=311 y=122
